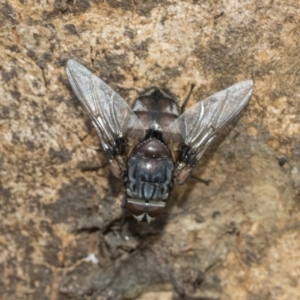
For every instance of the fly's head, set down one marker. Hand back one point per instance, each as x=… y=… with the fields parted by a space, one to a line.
x=145 y=211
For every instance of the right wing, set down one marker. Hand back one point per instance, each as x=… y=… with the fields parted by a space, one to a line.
x=116 y=124
x=201 y=123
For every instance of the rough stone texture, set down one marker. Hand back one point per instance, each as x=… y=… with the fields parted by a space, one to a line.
x=237 y=238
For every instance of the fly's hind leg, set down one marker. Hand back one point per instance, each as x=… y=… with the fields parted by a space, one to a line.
x=118 y=149
x=205 y=181
x=94 y=168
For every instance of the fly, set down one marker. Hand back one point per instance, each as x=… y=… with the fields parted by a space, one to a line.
x=154 y=143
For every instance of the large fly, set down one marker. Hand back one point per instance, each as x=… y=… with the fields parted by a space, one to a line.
x=153 y=144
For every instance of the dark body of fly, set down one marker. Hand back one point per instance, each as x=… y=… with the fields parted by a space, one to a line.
x=150 y=168
x=153 y=144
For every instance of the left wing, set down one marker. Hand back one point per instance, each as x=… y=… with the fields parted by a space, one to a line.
x=116 y=124
x=200 y=125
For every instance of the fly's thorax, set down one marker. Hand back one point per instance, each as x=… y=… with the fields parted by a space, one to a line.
x=156 y=110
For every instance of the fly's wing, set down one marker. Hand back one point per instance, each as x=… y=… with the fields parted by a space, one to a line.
x=200 y=124
x=116 y=124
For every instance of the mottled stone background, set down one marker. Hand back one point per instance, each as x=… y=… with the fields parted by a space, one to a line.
x=61 y=233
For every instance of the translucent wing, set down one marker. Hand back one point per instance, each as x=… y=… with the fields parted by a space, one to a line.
x=111 y=116
x=200 y=124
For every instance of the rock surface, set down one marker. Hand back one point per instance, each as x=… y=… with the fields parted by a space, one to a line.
x=61 y=232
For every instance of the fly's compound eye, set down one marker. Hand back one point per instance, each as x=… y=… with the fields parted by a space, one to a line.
x=135 y=208
x=145 y=210
x=155 y=211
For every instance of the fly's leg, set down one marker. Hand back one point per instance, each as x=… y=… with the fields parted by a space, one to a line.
x=94 y=168
x=115 y=156
x=185 y=164
x=187 y=155
x=117 y=149
x=205 y=181
x=186 y=100
x=187 y=161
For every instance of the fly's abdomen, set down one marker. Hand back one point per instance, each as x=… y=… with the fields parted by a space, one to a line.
x=156 y=110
